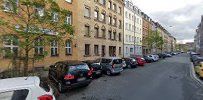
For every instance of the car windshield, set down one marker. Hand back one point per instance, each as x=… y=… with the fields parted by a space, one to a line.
x=117 y=61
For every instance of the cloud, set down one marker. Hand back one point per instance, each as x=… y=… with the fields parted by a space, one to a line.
x=184 y=16
x=184 y=21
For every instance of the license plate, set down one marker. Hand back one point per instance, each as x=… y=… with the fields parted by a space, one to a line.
x=81 y=79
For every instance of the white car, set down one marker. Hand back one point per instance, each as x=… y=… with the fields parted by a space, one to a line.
x=25 y=88
x=154 y=57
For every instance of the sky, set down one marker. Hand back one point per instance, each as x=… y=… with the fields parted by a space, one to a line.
x=179 y=17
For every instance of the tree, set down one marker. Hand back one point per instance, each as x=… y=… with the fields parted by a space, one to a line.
x=35 y=23
x=154 y=40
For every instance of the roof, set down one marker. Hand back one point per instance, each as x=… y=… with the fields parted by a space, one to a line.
x=18 y=82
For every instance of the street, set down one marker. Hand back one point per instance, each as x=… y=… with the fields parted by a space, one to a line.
x=167 y=79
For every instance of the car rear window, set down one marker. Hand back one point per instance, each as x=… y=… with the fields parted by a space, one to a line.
x=117 y=61
x=78 y=67
x=44 y=85
x=14 y=95
x=106 y=60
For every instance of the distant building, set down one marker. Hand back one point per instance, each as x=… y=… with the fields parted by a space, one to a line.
x=198 y=38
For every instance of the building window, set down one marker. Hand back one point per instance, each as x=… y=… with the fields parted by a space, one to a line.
x=87 y=12
x=110 y=5
x=110 y=20
x=39 y=48
x=103 y=18
x=131 y=50
x=54 y=48
x=114 y=35
x=96 y=14
x=103 y=2
x=96 y=49
x=120 y=24
x=114 y=7
x=8 y=5
x=110 y=35
x=40 y=11
x=119 y=35
x=120 y=10
x=129 y=16
x=55 y=17
x=96 y=32
x=103 y=33
x=69 y=1
x=119 y=50
x=87 y=49
x=69 y=19
x=126 y=14
x=87 y=30
x=126 y=26
x=114 y=21
x=68 y=47
x=10 y=44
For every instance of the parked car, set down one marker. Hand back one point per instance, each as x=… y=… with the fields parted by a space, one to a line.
x=96 y=68
x=199 y=69
x=70 y=74
x=197 y=61
x=140 y=60
x=25 y=88
x=193 y=58
x=154 y=57
x=130 y=62
x=148 y=59
x=111 y=65
x=168 y=55
x=162 y=55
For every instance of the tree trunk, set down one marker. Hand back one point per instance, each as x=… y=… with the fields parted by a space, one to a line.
x=26 y=62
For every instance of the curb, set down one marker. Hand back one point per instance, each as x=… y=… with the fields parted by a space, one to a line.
x=194 y=76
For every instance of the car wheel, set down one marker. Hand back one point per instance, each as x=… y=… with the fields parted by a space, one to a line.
x=108 y=72
x=60 y=87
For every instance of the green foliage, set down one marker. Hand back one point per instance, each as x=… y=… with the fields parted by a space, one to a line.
x=154 y=40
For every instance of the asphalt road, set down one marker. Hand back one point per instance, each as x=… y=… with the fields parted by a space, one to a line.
x=168 y=79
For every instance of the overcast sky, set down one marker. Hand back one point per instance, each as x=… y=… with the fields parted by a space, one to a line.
x=182 y=15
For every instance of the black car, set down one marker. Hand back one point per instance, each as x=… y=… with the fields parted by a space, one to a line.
x=148 y=59
x=197 y=61
x=96 y=68
x=162 y=55
x=70 y=74
x=130 y=62
x=194 y=57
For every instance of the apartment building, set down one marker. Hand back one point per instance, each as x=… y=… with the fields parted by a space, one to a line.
x=146 y=29
x=100 y=29
x=132 y=30
x=167 y=38
x=98 y=26
x=198 y=39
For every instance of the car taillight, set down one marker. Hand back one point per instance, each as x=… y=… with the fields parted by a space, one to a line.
x=69 y=76
x=45 y=97
x=113 y=65
x=90 y=72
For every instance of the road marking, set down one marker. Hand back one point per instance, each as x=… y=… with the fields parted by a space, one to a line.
x=194 y=76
